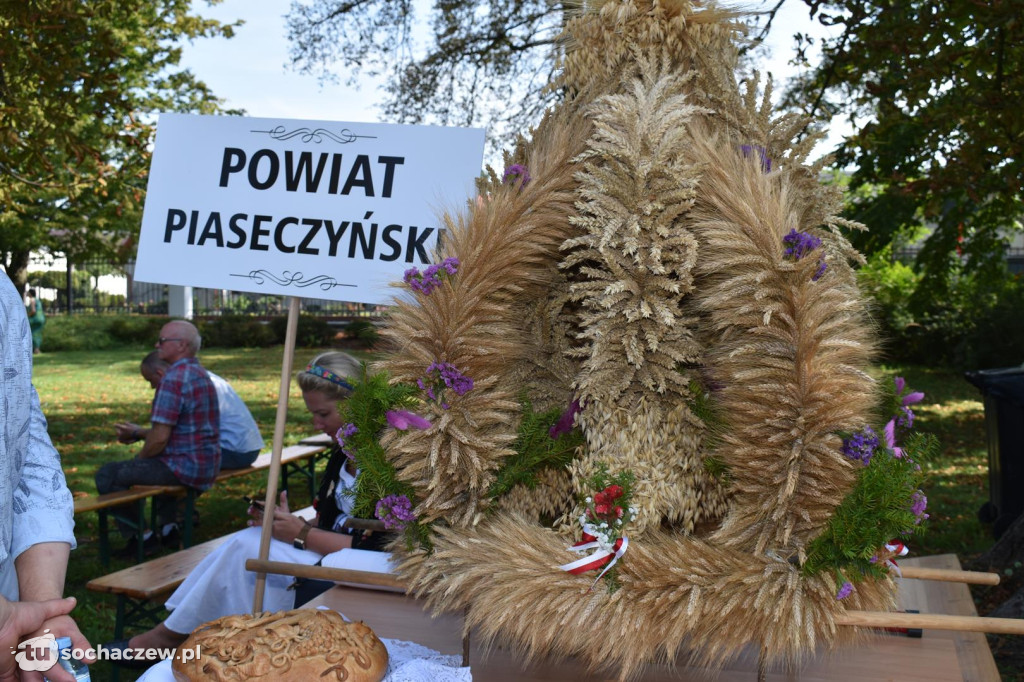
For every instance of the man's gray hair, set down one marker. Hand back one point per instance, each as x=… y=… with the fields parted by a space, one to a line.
x=190 y=335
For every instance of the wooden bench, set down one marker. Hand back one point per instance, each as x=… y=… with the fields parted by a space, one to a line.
x=104 y=504
x=301 y=459
x=142 y=589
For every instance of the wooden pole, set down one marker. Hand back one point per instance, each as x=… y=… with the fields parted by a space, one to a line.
x=949 y=575
x=339 y=575
x=931 y=621
x=275 y=455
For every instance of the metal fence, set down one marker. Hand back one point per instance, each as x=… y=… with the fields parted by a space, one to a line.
x=106 y=287
x=1014 y=258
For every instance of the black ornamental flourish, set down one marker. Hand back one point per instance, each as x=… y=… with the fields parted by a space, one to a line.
x=317 y=135
x=298 y=279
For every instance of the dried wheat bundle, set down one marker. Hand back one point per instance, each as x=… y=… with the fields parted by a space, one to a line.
x=788 y=349
x=507 y=246
x=678 y=595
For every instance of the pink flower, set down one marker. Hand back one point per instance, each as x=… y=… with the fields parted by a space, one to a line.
x=403 y=420
x=566 y=421
x=890 y=438
x=911 y=398
x=900 y=384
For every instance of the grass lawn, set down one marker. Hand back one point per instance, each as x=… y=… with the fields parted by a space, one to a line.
x=85 y=393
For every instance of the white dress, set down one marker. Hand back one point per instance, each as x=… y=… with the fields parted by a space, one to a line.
x=221 y=586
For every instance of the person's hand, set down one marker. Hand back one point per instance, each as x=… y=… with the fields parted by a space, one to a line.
x=256 y=510
x=126 y=432
x=286 y=525
x=18 y=619
x=61 y=626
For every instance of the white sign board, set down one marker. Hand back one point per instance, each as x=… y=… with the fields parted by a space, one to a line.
x=314 y=209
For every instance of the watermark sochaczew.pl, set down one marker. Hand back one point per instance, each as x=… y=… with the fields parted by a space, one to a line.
x=39 y=654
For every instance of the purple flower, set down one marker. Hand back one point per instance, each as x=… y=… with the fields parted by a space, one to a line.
x=905 y=418
x=844 y=591
x=395 y=511
x=514 y=171
x=861 y=445
x=919 y=504
x=450 y=265
x=911 y=398
x=402 y=420
x=425 y=282
x=748 y=151
x=345 y=432
x=442 y=376
x=890 y=438
x=800 y=244
x=566 y=421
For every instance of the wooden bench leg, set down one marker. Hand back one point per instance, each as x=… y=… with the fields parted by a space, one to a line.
x=104 y=539
x=139 y=524
x=132 y=613
x=140 y=532
x=307 y=469
x=312 y=478
x=190 y=513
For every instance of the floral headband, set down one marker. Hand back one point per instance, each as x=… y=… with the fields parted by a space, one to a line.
x=317 y=370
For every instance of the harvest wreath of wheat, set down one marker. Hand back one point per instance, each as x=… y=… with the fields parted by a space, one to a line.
x=658 y=262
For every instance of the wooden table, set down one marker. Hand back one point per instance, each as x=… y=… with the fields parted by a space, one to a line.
x=938 y=656
x=928 y=596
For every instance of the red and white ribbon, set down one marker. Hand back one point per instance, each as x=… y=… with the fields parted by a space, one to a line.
x=901 y=550
x=898 y=547
x=605 y=554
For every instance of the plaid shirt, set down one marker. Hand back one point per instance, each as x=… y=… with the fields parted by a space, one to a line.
x=187 y=401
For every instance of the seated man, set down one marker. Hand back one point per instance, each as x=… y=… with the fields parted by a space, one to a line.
x=240 y=439
x=182 y=447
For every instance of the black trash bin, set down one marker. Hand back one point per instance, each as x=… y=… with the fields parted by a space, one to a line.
x=1003 y=391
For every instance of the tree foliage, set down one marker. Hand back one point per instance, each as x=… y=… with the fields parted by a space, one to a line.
x=471 y=62
x=79 y=84
x=933 y=89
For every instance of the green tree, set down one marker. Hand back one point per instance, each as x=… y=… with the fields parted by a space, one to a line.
x=933 y=89
x=477 y=61
x=80 y=83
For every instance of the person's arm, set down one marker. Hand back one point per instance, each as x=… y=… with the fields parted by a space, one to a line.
x=157 y=437
x=324 y=541
x=43 y=531
x=41 y=570
x=287 y=527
